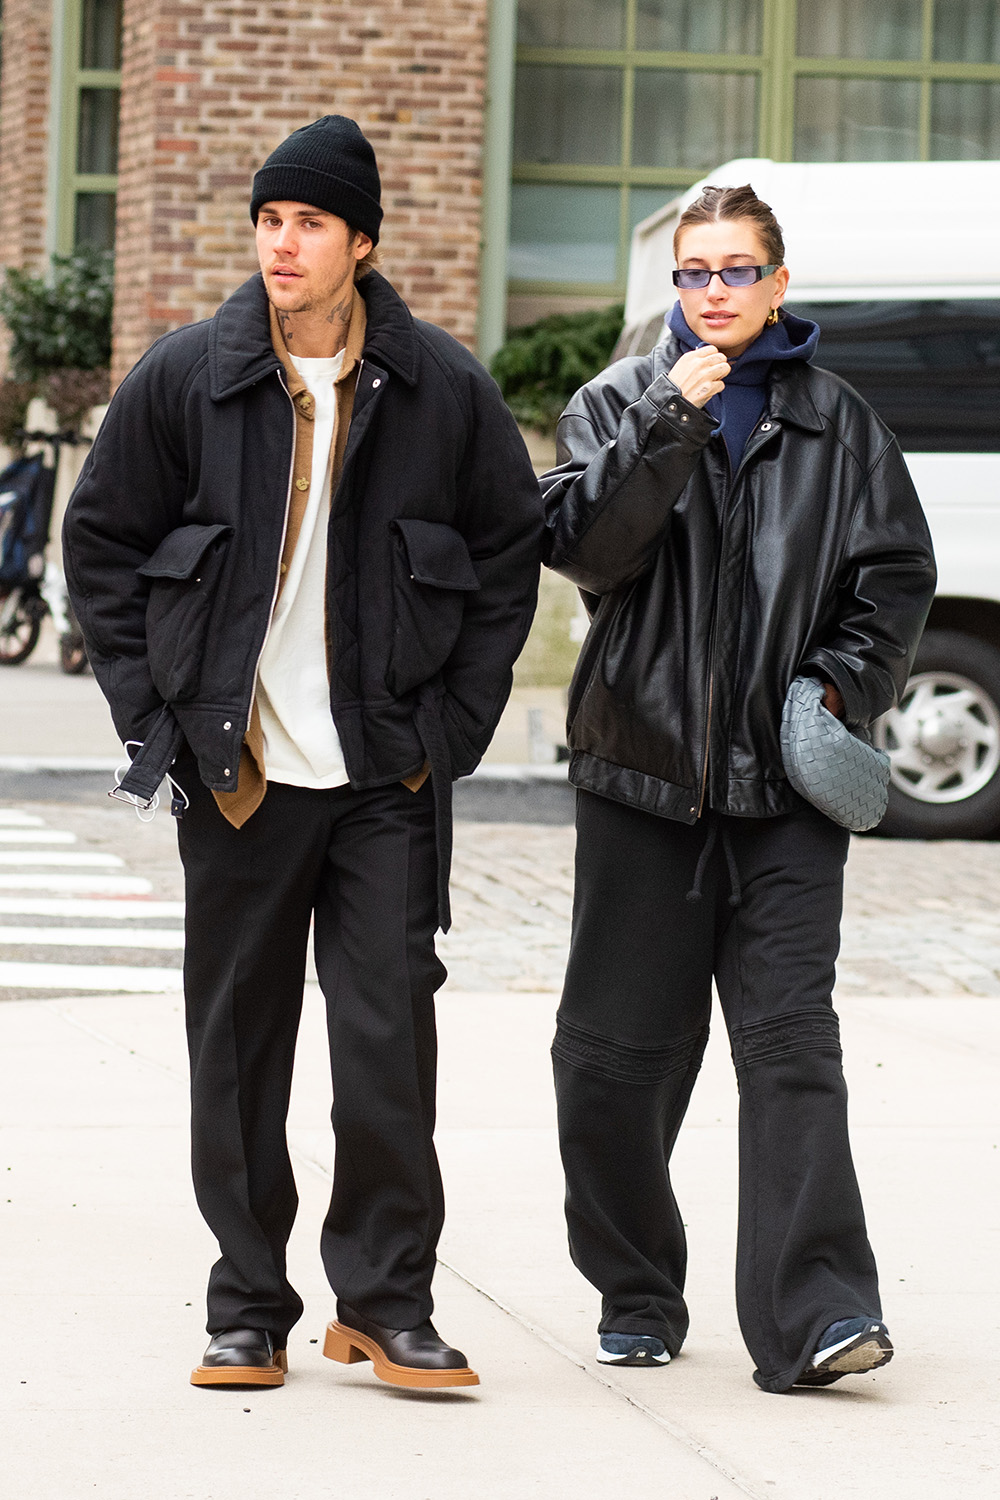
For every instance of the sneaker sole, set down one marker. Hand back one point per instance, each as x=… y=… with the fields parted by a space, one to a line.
x=636 y=1360
x=864 y=1352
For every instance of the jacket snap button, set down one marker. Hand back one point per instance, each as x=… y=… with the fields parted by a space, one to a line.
x=227 y=725
x=765 y=427
x=376 y=384
x=226 y=772
x=684 y=416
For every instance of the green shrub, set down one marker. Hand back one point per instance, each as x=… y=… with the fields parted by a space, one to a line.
x=61 y=324
x=540 y=367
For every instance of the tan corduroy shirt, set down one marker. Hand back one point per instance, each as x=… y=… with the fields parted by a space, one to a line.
x=252 y=779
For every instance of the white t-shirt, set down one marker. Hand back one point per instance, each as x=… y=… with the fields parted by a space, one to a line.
x=301 y=744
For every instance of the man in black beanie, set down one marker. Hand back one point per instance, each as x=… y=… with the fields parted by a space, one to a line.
x=304 y=554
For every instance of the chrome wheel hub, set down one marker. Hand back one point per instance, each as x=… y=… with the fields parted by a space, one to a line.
x=943 y=741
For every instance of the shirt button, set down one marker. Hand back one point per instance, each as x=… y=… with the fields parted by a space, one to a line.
x=301 y=484
x=227 y=724
x=284 y=568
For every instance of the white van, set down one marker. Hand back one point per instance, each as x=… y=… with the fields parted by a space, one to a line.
x=899 y=264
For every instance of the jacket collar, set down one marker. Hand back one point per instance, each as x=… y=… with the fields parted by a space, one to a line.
x=352 y=354
x=241 y=352
x=789 y=396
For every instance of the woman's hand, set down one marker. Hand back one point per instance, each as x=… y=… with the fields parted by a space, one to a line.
x=700 y=374
x=832 y=700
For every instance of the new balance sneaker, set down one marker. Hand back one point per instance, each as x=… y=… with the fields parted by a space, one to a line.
x=631 y=1349
x=850 y=1347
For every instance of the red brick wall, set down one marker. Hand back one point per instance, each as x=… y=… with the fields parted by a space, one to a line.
x=209 y=89
x=24 y=111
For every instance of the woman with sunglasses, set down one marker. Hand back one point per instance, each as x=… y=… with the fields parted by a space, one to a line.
x=735 y=517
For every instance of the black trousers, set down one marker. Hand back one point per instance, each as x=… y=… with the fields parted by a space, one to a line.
x=631 y=1031
x=364 y=865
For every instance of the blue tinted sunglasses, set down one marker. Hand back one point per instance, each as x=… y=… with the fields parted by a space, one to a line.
x=690 y=280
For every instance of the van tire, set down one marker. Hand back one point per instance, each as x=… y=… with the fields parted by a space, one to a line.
x=944 y=655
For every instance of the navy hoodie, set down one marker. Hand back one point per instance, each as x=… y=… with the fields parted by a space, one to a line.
x=741 y=404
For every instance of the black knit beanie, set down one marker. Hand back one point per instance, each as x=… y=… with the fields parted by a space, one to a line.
x=328 y=164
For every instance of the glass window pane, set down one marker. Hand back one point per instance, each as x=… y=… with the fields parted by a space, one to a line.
x=967 y=31
x=101 y=34
x=560 y=232
x=857 y=119
x=97 y=143
x=693 y=120
x=95 y=220
x=568 y=115
x=965 y=121
x=698 y=25
x=643 y=201
x=930 y=369
x=571 y=23
x=861 y=28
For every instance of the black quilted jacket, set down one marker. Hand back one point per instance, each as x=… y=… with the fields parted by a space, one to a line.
x=174 y=533
x=711 y=592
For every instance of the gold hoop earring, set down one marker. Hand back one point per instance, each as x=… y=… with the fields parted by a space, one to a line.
x=772 y=317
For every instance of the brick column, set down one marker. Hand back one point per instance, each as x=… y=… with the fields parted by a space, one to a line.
x=24 y=130
x=209 y=88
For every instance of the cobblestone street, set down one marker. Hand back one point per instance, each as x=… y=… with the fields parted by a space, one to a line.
x=920 y=919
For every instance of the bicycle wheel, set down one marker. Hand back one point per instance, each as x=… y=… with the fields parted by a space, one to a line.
x=19 y=629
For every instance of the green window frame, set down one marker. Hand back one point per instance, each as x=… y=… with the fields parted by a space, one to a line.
x=84 y=120
x=778 y=72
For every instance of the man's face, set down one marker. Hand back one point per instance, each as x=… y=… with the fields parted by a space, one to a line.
x=306 y=255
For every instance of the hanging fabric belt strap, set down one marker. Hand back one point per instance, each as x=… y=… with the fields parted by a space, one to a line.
x=428 y=723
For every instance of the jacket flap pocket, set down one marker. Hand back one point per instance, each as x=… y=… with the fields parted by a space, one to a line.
x=179 y=554
x=437 y=554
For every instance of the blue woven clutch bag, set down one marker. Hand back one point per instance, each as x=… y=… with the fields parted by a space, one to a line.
x=837 y=771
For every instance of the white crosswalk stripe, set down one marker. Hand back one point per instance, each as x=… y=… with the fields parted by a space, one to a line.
x=80 y=902
x=22 y=857
x=88 y=937
x=35 y=836
x=115 y=908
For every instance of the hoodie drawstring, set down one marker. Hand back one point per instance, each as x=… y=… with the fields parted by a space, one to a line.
x=711 y=838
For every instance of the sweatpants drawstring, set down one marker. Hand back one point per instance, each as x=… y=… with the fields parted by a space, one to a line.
x=694 y=894
x=711 y=836
x=735 y=893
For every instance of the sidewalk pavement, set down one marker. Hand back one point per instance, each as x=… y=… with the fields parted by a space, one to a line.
x=104 y=1261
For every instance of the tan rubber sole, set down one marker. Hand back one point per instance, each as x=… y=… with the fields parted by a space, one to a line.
x=857 y=1361
x=348 y=1347
x=273 y=1374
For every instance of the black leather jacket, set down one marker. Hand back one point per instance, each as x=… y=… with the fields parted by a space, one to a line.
x=711 y=592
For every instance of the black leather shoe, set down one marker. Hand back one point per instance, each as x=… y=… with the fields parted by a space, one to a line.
x=401 y=1356
x=241 y=1356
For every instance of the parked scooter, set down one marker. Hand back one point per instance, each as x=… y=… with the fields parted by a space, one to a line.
x=30 y=587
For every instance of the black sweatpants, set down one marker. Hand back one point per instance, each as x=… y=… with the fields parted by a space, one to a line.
x=364 y=864
x=631 y=1031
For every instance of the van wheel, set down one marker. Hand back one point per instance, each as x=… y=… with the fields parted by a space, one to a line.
x=943 y=742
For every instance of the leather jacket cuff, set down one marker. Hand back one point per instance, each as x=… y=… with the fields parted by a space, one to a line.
x=669 y=402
